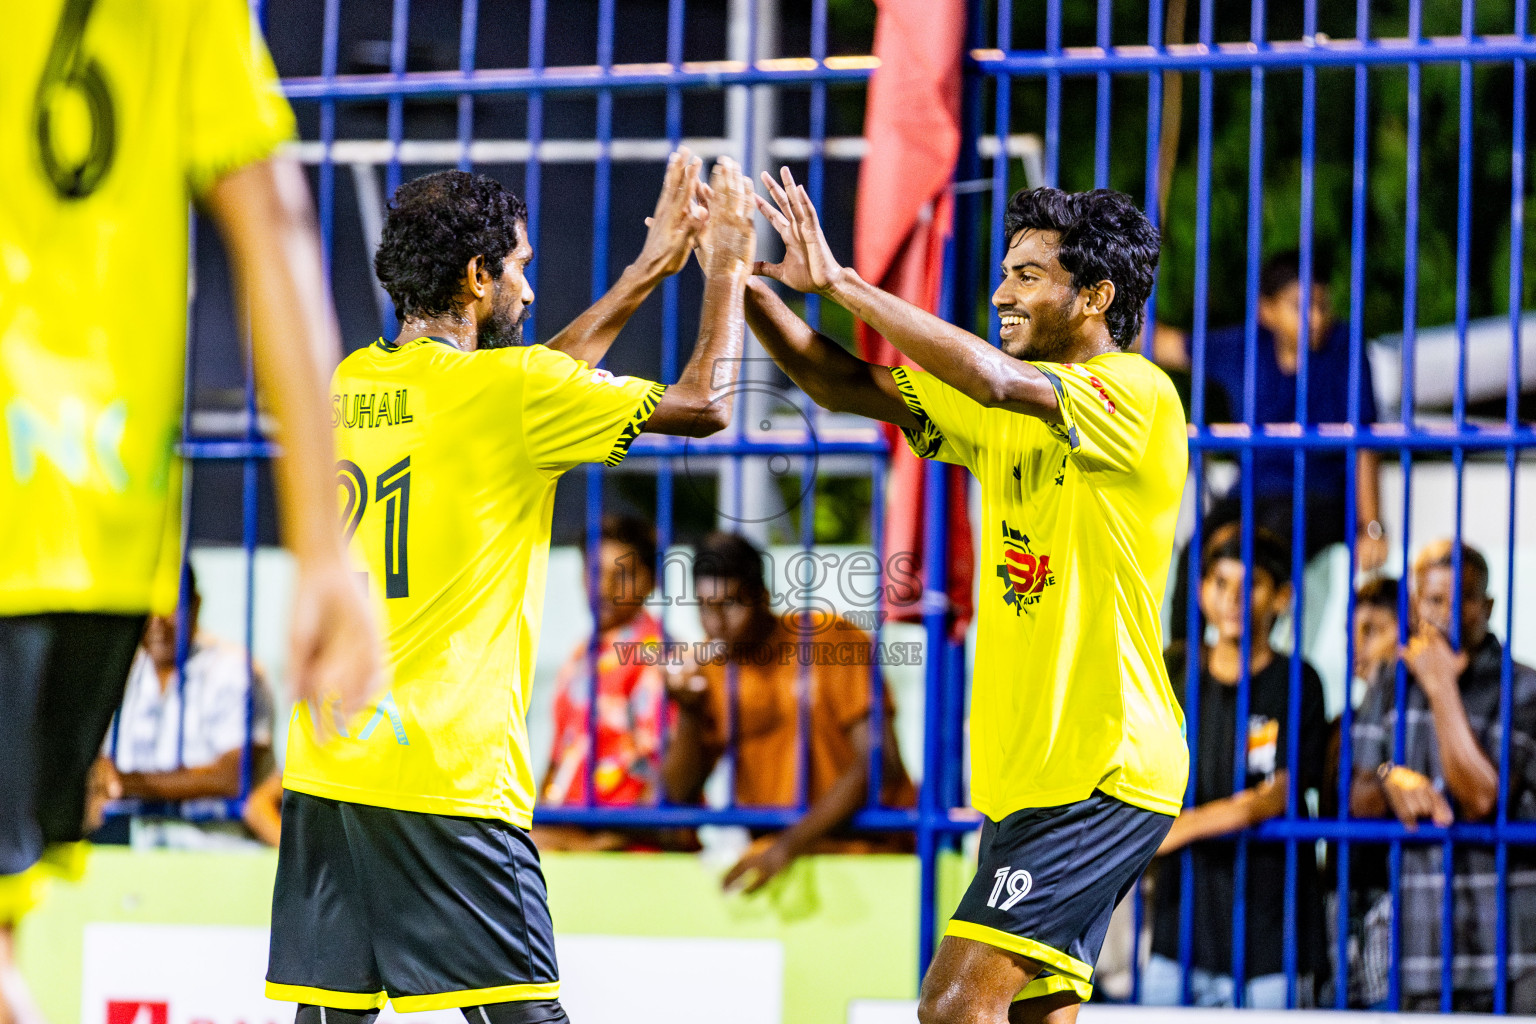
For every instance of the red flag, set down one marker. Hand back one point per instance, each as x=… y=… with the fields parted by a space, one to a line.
x=904 y=217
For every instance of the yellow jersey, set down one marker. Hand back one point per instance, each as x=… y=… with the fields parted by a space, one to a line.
x=1069 y=691
x=446 y=472
x=114 y=115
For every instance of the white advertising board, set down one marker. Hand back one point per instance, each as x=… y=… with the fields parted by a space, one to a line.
x=196 y=974
x=904 y=1011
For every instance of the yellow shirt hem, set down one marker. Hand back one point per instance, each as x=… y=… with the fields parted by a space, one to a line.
x=1136 y=797
x=419 y=802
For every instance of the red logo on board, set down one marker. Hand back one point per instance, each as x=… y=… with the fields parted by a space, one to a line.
x=137 y=1012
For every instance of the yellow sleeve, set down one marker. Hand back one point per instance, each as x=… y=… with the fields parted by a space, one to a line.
x=573 y=413
x=234 y=111
x=949 y=422
x=1107 y=409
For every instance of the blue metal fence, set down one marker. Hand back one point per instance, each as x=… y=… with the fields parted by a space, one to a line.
x=993 y=67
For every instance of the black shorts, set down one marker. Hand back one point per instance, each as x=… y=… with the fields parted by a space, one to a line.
x=1048 y=880
x=61 y=679
x=426 y=911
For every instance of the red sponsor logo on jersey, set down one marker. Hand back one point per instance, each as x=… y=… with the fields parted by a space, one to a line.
x=1025 y=574
x=1098 y=385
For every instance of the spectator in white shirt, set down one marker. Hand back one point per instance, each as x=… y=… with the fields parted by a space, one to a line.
x=182 y=744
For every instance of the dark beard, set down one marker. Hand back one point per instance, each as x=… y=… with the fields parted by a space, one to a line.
x=501 y=331
x=1051 y=338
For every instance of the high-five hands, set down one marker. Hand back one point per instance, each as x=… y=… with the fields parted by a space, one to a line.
x=808 y=264
x=727 y=244
x=679 y=216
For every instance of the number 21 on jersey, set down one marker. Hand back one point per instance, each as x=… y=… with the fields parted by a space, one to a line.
x=392 y=488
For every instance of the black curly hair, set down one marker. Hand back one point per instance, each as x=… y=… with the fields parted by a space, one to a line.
x=1104 y=237
x=437 y=224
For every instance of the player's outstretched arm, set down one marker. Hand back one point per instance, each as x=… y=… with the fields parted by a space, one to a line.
x=672 y=228
x=959 y=358
x=834 y=378
x=264 y=214
x=700 y=403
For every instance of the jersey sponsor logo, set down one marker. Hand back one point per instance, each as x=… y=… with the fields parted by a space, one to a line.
x=1017 y=885
x=370 y=409
x=1097 y=385
x=70 y=441
x=385 y=710
x=1025 y=573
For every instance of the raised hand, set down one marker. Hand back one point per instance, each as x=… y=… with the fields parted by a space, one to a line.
x=808 y=264
x=677 y=219
x=732 y=233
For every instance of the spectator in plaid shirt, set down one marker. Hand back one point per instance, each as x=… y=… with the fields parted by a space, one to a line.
x=1449 y=772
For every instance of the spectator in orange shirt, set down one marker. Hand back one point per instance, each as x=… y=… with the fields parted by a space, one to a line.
x=766 y=649
x=629 y=695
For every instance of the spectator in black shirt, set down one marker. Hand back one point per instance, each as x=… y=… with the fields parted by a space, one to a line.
x=1221 y=808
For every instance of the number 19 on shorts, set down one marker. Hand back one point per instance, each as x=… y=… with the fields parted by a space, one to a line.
x=1016 y=883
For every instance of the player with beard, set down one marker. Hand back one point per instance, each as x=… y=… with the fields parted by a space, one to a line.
x=1078 y=759
x=405 y=871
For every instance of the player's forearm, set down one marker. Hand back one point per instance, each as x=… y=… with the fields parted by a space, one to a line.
x=957 y=357
x=263 y=212
x=824 y=370
x=591 y=334
x=707 y=383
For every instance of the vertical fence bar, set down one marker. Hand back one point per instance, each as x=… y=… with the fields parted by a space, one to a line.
x=1002 y=116
x=1104 y=85
x=601 y=203
x=1511 y=465
x=399 y=47
x=1458 y=462
x=1195 y=642
x=1299 y=523
x=665 y=474
x=1358 y=201
x=1154 y=132
x=1410 y=321
x=330 y=37
x=1052 y=94
x=936 y=628
x=533 y=177
x=877 y=674
x=469 y=24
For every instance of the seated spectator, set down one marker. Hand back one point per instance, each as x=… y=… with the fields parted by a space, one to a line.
x=765 y=650
x=1219 y=811
x=181 y=743
x=629 y=695
x=1376 y=629
x=1449 y=772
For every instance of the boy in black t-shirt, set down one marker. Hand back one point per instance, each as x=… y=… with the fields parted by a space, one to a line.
x=1222 y=808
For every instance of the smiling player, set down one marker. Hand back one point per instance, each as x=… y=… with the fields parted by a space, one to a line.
x=1078 y=758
